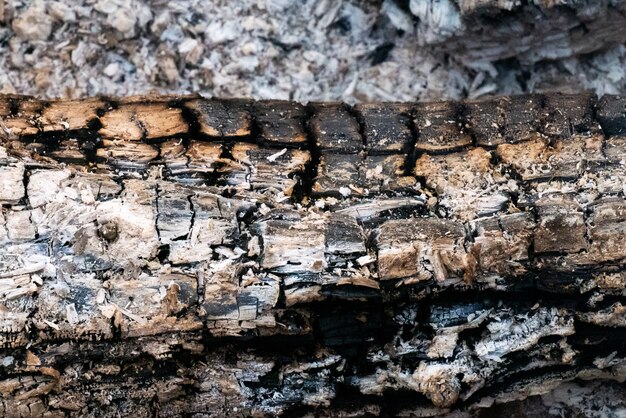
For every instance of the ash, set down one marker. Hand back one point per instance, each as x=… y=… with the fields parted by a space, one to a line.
x=284 y=49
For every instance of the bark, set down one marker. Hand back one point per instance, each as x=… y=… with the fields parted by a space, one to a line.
x=179 y=255
x=492 y=30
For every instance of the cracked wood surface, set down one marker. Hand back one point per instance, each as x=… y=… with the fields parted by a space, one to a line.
x=179 y=255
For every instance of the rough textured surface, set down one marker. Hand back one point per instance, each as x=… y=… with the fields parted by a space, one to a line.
x=491 y=30
x=225 y=263
x=349 y=50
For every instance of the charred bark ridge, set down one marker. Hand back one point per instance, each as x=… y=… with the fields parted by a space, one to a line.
x=180 y=255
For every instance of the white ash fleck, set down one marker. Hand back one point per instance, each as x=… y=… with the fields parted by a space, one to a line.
x=311 y=50
x=273 y=157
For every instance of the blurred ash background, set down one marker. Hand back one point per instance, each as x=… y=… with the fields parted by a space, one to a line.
x=351 y=50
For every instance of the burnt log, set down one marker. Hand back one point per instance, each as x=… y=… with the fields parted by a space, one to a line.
x=167 y=256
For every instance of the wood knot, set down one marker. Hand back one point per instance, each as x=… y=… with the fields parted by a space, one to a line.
x=108 y=231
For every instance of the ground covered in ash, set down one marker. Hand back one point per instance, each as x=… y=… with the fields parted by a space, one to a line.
x=351 y=50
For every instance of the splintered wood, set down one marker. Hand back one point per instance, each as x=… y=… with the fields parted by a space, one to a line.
x=179 y=255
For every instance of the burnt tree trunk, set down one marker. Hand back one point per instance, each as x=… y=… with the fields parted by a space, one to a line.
x=162 y=256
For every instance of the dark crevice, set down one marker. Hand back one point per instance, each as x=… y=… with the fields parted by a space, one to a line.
x=411 y=152
x=157 y=198
x=358 y=116
x=310 y=173
x=14 y=106
x=193 y=214
x=191 y=118
x=462 y=119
